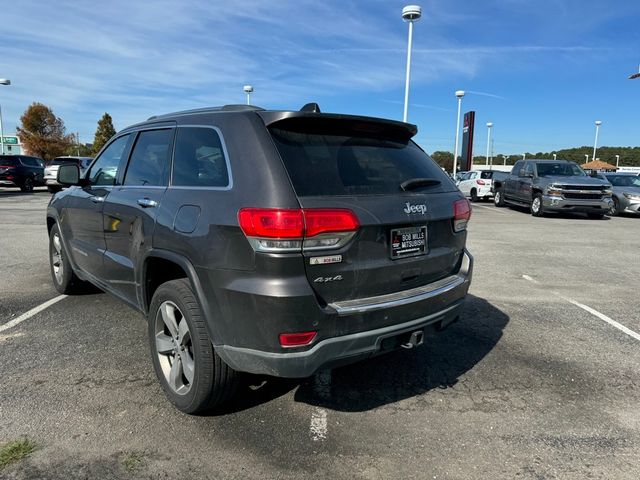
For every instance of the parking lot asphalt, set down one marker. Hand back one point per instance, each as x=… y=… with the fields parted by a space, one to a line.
x=528 y=384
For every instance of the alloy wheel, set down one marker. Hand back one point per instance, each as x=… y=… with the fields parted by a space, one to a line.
x=56 y=259
x=535 y=205
x=174 y=348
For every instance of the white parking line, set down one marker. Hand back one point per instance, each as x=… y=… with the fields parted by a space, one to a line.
x=493 y=209
x=322 y=388
x=31 y=313
x=592 y=311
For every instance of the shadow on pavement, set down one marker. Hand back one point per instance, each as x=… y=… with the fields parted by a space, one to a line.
x=16 y=192
x=566 y=215
x=395 y=376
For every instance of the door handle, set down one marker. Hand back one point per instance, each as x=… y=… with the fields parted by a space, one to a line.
x=147 y=203
x=96 y=199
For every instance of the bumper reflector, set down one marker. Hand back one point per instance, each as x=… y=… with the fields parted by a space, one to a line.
x=289 y=340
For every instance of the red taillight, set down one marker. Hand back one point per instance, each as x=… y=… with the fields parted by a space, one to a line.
x=8 y=167
x=271 y=222
x=461 y=214
x=288 y=340
x=323 y=220
x=295 y=223
x=480 y=182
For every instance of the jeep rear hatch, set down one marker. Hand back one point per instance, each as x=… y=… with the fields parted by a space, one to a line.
x=402 y=200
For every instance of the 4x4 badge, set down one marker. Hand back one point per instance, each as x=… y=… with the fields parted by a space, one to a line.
x=337 y=278
x=420 y=208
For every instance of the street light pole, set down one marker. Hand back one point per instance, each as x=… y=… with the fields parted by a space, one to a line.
x=248 y=89
x=524 y=156
x=410 y=13
x=586 y=158
x=489 y=125
x=3 y=81
x=617 y=161
x=555 y=156
x=459 y=94
x=595 y=143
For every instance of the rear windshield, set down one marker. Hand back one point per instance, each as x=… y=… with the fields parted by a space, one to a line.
x=487 y=175
x=333 y=163
x=65 y=161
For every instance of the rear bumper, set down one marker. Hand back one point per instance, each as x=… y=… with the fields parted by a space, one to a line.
x=561 y=204
x=432 y=306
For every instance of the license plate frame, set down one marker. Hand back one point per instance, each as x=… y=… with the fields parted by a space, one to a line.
x=416 y=244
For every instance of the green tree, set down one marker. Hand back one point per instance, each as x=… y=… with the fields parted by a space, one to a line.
x=104 y=132
x=42 y=133
x=80 y=149
x=444 y=159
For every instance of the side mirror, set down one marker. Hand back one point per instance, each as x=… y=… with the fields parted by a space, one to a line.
x=69 y=175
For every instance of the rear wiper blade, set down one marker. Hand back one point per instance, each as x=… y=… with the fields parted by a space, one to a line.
x=413 y=183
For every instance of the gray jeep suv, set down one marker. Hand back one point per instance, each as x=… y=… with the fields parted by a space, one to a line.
x=268 y=242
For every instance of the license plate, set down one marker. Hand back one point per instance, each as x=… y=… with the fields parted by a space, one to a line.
x=408 y=242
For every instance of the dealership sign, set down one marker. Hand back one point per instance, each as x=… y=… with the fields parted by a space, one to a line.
x=10 y=140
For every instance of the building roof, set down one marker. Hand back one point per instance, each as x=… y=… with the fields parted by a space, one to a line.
x=598 y=165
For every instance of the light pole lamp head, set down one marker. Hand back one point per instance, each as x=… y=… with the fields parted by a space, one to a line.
x=247 y=89
x=5 y=81
x=411 y=13
x=489 y=124
x=598 y=123
x=459 y=93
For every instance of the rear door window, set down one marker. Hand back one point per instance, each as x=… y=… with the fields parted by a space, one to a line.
x=199 y=159
x=30 y=162
x=323 y=162
x=149 y=163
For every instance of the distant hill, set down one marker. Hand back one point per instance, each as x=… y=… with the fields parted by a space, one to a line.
x=629 y=156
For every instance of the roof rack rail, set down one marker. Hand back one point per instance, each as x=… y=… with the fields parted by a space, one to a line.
x=222 y=108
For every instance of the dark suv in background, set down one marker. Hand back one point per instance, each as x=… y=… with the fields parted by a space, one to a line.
x=268 y=242
x=21 y=171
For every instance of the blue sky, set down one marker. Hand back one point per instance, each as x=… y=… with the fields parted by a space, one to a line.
x=544 y=70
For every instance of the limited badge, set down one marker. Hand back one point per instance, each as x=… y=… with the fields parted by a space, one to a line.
x=325 y=260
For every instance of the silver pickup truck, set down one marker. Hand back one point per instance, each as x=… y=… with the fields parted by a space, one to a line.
x=553 y=186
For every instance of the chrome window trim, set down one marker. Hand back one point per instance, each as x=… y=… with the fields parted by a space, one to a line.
x=225 y=152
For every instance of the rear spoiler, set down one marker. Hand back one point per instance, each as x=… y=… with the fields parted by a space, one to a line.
x=334 y=122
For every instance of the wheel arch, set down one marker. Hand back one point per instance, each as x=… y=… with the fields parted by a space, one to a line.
x=160 y=266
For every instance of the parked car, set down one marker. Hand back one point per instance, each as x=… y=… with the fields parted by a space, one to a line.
x=498 y=176
x=267 y=242
x=477 y=184
x=51 y=170
x=626 y=192
x=21 y=171
x=553 y=186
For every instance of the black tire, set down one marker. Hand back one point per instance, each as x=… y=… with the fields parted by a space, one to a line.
x=27 y=185
x=213 y=382
x=537 y=209
x=474 y=195
x=498 y=198
x=53 y=188
x=64 y=279
x=595 y=216
x=615 y=208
